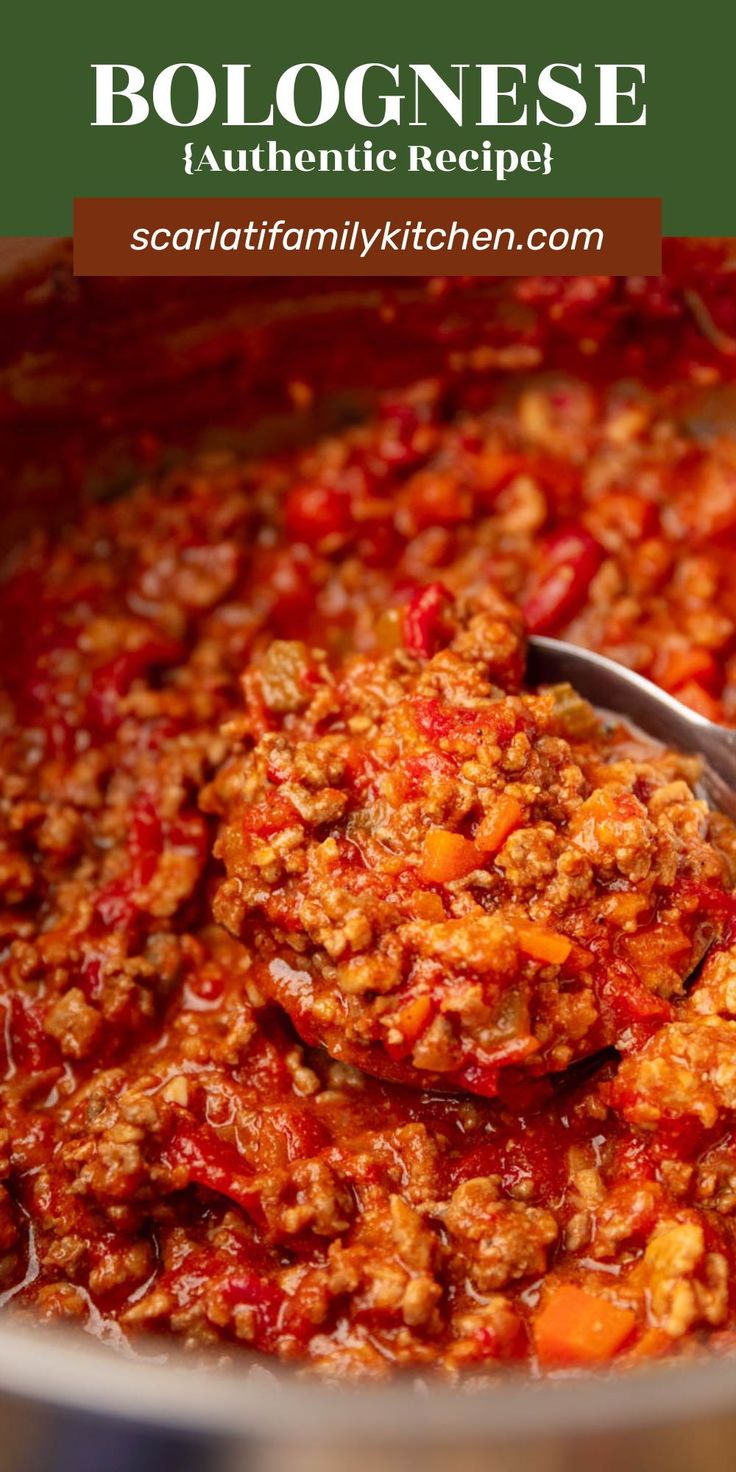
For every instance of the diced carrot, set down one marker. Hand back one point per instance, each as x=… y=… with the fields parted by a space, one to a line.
x=680 y=666
x=653 y=948
x=501 y=820
x=579 y=1328
x=447 y=856
x=426 y=904
x=622 y=907
x=543 y=945
x=413 y=1018
x=610 y=811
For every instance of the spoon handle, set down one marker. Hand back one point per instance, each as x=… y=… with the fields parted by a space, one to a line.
x=613 y=687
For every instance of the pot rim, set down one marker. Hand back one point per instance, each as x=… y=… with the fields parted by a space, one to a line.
x=162 y=1388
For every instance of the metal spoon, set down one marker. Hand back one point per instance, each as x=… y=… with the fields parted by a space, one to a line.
x=611 y=686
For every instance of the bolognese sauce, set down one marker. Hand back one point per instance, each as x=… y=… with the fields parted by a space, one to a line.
x=363 y=1006
x=443 y=879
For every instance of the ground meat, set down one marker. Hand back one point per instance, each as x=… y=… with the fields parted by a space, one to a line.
x=498 y=1240
x=687 y=1072
x=444 y=878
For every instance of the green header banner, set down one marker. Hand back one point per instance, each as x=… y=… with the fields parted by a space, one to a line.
x=394 y=101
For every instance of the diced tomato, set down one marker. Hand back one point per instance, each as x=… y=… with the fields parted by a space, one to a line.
x=411 y=779
x=570 y=559
x=90 y=977
x=313 y=513
x=560 y=482
x=436 y=498
x=456 y=723
x=379 y=544
x=558 y=592
x=111 y=681
x=518 y=1091
x=32 y=1051
x=245 y=1288
x=145 y=839
x=403 y=438
x=482 y=1076
x=289 y=575
x=483 y=1159
x=263 y=819
x=718 y=904
x=267 y=1070
x=149 y=836
x=300 y=1132
x=535 y=1156
x=627 y=1007
x=211 y=1162
x=423 y=619
x=113 y=905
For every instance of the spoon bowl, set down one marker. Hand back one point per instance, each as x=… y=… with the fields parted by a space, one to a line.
x=612 y=687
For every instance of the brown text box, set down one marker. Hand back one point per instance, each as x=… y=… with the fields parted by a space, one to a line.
x=330 y=237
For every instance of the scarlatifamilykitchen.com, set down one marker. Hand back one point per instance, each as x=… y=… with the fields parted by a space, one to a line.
x=353 y=238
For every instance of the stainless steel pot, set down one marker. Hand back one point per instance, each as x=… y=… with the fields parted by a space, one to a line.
x=61 y=1395
x=84 y=368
